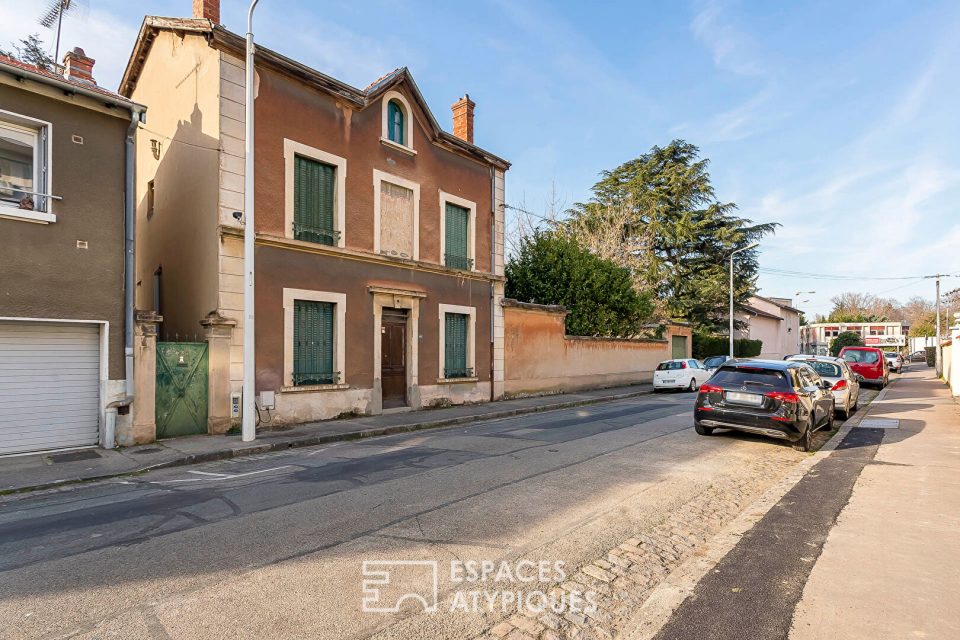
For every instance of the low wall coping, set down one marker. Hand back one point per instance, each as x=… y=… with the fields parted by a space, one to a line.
x=532 y=306
x=606 y=339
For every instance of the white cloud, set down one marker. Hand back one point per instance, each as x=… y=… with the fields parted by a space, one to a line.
x=732 y=50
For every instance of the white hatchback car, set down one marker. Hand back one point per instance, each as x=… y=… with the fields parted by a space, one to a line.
x=845 y=384
x=679 y=374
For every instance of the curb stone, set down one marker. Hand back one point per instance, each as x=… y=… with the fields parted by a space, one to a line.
x=313 y=440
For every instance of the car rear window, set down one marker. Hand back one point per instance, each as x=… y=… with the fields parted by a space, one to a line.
x=669 y=366
x=740 y=376
x=864 y=357
x=826 y=369
x=714 y=361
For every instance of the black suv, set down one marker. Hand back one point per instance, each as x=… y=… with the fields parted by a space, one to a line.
x=786 y=400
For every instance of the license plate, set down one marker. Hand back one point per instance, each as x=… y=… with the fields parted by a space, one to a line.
x=667 y=381
x=754 y=399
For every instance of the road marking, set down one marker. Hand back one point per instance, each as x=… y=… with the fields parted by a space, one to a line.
x=231 y=476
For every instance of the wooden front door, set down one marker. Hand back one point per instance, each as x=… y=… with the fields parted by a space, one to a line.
x=393 y=358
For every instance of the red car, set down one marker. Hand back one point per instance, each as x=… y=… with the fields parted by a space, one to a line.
x=869 y=362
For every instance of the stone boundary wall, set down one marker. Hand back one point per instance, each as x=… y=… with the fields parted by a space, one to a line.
x=539 y=358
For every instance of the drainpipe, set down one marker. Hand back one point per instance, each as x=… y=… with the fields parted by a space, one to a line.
x=129 y=230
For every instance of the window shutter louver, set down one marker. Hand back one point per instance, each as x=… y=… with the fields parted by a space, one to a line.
x=455 y=347
x=457 y=225
x=313 y=343
x=313 y=188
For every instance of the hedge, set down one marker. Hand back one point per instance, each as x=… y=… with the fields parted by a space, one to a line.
x=706 y=346
x=931 y=355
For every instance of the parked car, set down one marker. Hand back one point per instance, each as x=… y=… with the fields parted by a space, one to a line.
x=869 y=363
x=894 y=361
x=918 y=356
x=713 y=363
x=679 y=374
x=782 y=399
x=846 y=383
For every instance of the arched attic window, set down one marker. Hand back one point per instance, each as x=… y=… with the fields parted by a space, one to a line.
x=396 y=122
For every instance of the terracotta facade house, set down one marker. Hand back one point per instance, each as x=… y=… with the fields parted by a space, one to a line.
x=65 y=328
x=379 y=236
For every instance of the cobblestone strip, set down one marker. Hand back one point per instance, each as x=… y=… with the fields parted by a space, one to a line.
x=623 y=578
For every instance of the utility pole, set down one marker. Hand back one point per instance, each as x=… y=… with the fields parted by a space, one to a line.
x=752 y=245
x=248 y=430
x=939 y=360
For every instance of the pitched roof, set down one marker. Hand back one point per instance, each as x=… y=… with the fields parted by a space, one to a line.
x=780 y=304
x=19 y=68
x=759 y=312
x=216 y=35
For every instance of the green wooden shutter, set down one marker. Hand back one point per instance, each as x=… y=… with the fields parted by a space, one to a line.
x=395 y=128
x=457 y=224
x=313 y=198
x=313 y=343
x=455 y=347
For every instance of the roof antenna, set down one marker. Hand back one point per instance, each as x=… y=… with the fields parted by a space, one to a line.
x=53 y=18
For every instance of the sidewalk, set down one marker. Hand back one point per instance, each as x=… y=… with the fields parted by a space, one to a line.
x=890 y=567
x=46 y=470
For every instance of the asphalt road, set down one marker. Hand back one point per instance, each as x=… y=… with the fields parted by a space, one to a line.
x=273 y=545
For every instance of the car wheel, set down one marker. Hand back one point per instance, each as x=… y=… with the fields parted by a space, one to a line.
x=703 y=431
x=693 y=385
x=805 y=443
x=831 y=421
x=856 y=404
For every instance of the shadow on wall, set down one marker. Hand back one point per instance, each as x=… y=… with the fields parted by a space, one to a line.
x=177 y=222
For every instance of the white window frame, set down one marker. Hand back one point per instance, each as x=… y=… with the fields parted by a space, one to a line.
x=339 y=332
x=471 y=226
x=471 y=312
x=42 y=175
x=291 y=149
x=407 y=146
x=380 y=177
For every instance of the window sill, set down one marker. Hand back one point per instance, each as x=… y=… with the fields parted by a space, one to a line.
x=457 y=380
x=308 y=388
x=390 y=144
x=26 y=215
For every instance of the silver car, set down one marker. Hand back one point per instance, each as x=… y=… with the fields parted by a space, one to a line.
x=713 y=363
x=894 y=361
x=845 y=384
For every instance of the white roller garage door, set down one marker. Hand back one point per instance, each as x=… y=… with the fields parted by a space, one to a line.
x=49 y=385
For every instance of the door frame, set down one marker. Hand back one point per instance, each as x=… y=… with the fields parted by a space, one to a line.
x=390 y=297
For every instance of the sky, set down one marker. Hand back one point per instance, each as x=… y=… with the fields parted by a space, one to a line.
x=840 y=120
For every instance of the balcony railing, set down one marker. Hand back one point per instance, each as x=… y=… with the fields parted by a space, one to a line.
x=458 y=262
x=303 y=378
x=320 y=235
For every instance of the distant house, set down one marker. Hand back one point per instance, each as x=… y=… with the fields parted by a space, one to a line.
x=775 y=322
x=889 y=335
x=379 y=235
x=63 y=320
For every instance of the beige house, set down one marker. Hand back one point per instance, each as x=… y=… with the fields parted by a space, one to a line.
x=775 y=322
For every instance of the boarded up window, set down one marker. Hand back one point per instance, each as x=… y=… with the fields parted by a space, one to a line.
x=396 y=220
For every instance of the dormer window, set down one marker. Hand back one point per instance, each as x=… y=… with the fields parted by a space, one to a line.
x=395 y=122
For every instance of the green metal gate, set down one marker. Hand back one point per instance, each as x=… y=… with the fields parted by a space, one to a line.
x=181 y=388
x=679 y=346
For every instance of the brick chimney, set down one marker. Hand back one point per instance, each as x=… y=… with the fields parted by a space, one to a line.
x=77 y=66
x=209 y=9
x=463 y=118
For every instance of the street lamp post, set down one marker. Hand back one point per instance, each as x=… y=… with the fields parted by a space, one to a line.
x=752 y=245
x=248 y=430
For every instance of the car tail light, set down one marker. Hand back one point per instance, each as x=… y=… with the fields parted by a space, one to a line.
x=841 y=384
x=709 y=388
x=784 y=396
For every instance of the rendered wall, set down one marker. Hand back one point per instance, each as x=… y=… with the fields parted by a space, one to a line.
x=540 y=358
